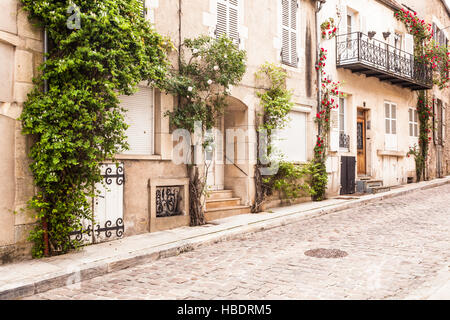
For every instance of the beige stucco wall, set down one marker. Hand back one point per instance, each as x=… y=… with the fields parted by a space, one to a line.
x=433 y=11
x=371 y=93
x=262 y=43
x=20 y=54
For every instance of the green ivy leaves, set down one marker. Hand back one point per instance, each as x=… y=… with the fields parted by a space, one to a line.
x=78 y=123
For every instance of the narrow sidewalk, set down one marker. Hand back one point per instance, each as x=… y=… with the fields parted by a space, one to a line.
x=36 y=276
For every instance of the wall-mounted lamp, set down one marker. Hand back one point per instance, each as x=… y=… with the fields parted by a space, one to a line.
x=386 y=35
x=371 y=34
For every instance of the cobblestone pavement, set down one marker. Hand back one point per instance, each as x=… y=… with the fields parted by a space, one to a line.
x=395 y=247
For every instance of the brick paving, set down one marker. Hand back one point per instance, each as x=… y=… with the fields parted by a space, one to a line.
x=395 y=247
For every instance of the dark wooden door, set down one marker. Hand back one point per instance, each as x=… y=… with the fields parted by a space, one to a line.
x=361 y=144
x=348 y=175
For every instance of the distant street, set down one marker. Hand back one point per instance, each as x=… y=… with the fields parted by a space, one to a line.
x=393 y=249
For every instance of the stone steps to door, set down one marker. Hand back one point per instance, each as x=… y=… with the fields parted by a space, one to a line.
x=220 y=213
x=220 y=194
x=221 y=203
x=381 y=189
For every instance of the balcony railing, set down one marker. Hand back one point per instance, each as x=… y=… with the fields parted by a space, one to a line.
x=355 y=51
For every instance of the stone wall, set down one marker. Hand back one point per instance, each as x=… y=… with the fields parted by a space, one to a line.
x=21 y=48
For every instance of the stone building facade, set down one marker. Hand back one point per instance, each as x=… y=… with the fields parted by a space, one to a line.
x=138 y=196
x=376 y=122
x=149 y=190
x=21 y=47
x=437 y=13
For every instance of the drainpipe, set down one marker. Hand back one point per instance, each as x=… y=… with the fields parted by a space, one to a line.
x=44 y=220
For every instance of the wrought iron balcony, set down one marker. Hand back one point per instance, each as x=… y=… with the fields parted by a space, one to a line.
x=374 y=58
x=344 y=140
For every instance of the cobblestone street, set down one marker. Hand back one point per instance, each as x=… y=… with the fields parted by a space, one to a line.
x=395 y=248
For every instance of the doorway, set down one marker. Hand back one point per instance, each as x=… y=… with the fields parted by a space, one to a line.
x=361 y=142
x=214 y=157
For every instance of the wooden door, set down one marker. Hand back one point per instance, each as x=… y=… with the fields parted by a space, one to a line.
x=361 y=143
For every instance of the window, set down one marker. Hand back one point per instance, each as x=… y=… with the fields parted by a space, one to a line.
x=289 y=55
x=390 y=138
x=438 y=114
x=391 y=118
x=291 y=140
x=413 y=123
x=228 y=19
x=342 y=104
x=140 y=118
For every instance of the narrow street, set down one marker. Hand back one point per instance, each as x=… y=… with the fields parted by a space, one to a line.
x=393 y=249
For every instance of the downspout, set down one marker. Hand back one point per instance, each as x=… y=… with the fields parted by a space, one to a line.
x=44 y=221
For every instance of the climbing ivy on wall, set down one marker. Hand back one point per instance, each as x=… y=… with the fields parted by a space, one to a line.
x=78 y=122
x=329 y=99
x=427 y=51
x=276 y=101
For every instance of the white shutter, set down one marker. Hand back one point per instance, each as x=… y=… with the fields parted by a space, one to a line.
x=409 y=44
x=228 y=19
x=362 y=23
x=291 y=140
x=139 y=117
x=343 y=23
x=289 y=53
x=444 y=122
x=334 y=130
x=108 y=205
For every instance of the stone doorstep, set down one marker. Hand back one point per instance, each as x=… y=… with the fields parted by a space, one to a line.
x=227 y=229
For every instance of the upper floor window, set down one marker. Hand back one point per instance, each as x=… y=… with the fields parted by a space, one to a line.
x=289 y=36
x=228 y=19
x=140 y=118
x=391 y=118
x=413 y=123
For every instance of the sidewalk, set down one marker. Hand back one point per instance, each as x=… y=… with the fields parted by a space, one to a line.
x=36 y=276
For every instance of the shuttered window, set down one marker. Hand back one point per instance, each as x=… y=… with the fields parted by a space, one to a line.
x=413 y=123
x=391 y=118
x=140 y=118
x=289 y=53
x=228 y=19
x=291 y=140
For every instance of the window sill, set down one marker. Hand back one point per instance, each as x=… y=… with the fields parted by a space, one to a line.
x=138 y=157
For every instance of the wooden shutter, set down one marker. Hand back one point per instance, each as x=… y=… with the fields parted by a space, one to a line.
x=334 y=130
x=228 y=19
x=289 y=53
x=139 y=117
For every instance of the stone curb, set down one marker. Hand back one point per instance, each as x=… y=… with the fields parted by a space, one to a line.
x=95 y=269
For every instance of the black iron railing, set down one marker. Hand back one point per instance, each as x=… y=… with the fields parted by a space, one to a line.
x=344 y=140
x=358 y=48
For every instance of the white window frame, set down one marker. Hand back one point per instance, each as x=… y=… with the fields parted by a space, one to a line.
x=413 y=122
x=291 y=61
x=391 y=140
x=129 y=153
x=229 y=5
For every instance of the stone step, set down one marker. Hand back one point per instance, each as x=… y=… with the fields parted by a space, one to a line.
x=220 y=194
x=220 y=213
x=374 y=183
x=222 y=203
x=375 y=190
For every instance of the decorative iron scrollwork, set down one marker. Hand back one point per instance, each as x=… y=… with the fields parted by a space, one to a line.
x=357 y=47
x=168 y=201
x=119 y=175
x=119 y=228
x=344 y=140
x=79 y=234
